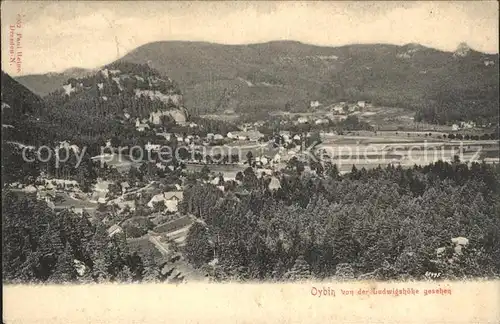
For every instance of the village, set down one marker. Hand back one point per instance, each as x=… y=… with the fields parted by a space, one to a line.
x=143 y=198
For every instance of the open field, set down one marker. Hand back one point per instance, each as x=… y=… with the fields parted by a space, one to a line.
x=66 y=201
x=223 y=117
x=367 y=152
x=121 y=162
x=173 y=225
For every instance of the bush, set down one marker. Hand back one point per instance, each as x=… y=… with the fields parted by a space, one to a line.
x=137 y=226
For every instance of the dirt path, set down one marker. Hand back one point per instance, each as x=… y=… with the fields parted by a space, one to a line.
x=158 y=245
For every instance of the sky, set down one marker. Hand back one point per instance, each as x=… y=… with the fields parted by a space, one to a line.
x=54 y=36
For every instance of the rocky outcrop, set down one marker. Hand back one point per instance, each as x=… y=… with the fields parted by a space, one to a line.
x=140 y=91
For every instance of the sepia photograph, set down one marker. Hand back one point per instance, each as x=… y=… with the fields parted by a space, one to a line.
x=227 y=144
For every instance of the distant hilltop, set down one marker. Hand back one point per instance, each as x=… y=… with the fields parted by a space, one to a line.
x=269 y=76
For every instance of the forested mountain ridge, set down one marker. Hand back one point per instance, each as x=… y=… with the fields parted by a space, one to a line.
x=440 y=86
x=18 y=97
x=20 y=108
x=45 y=83
x=93 y=105
x=86 y=112
x=102 y=104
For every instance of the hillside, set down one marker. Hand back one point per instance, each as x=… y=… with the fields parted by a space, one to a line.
x=105 y=103
x=43 y=84
x=441 y=86
x=18 y=97
x=112 y=99
x=20 y=108
x=275 y=74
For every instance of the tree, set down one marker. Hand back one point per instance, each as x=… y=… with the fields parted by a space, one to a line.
x=100 y=269
x=115 y=189
x=249 y=158
x=65 y=270
x=344 y=271
x=205 y=172
x=198 y=248
x=239 y=176
x=151 y=271
x=159 y=206
x=125 y=275
x=300 y=270
x=331 y=170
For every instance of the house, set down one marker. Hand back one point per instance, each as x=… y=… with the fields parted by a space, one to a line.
x=338 y=118
x=49 y=186
x=171 y=200
x=314 y=104
x=467 y=125
x=66 y=145
x=321 y=121
x=216 y=181
x=61 y=183
x=302 y=120
x=101 y=189
x=463 y=125
x=218 y=137
x=113 y=230
x=125 y=186
x=29 y=189
x=264 y=172
x=167 y=136
x=264 y=160
x=296 y=137
x=246 y=135
x=152 y=147
x=161 y=166
x=140 y=126
x=210 y=136
x=277 y=158
x=155 y=117
x=361 y=104
x=156 y=199
x=338 y=109
x=274 y=184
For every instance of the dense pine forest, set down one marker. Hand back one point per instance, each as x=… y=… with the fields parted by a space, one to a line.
x=385 y=223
